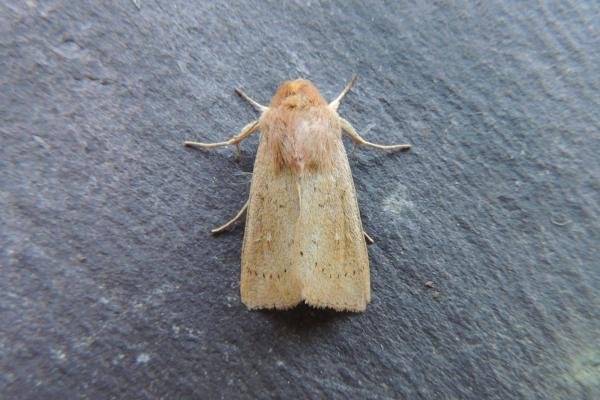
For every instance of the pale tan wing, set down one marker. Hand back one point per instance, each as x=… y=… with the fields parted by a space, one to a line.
x=334 y=264
x=304 y=238
x=269 y=276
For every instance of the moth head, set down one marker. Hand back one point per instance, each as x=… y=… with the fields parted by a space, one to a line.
x=297 y=94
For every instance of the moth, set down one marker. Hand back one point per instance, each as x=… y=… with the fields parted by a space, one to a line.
x=303 y=239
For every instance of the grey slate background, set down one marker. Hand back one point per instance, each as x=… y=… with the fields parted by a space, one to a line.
x=112 y=287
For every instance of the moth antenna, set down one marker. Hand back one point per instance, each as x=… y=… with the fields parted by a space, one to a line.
x=259 y=107
x=335 y=104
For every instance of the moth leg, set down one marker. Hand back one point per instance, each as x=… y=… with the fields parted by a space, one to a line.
x=349 y=129
x=222 y=228
x=336 y=103
x=368 y=238
x=246 y=131
x=253 y=103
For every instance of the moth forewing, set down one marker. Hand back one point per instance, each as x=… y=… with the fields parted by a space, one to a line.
x=336 y=268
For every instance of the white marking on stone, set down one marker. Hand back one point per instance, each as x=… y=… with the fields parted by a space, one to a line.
x=142 y=358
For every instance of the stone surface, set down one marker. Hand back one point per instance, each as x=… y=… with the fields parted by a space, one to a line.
x=112 y=287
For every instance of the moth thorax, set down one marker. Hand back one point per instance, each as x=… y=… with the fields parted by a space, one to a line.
x=301 y=139
x=300 y=128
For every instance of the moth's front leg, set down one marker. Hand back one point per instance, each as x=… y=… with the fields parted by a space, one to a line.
x=248 y=130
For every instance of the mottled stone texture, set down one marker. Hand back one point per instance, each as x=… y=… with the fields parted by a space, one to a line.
x=112 y=287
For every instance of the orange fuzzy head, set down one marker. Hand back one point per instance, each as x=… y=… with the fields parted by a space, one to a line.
x=298 y=93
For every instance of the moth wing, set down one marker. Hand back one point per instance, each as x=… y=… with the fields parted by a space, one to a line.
x=304 y=239
x=269 y=275
x=334 y=263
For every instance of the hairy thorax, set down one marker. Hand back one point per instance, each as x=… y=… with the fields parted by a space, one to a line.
x=300 y=129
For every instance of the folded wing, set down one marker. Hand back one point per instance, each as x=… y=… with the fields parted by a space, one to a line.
x=304 y=238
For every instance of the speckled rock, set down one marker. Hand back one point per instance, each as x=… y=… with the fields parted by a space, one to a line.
x=112 y=287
